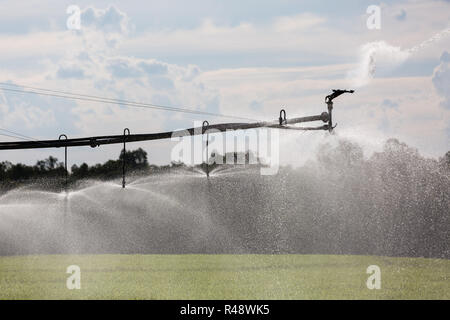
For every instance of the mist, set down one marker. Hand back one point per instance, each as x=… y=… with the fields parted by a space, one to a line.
x=395 y=203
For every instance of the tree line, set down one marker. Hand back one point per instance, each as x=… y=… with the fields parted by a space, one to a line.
x=51 y=171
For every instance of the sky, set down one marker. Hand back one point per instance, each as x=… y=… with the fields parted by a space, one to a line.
x=243 y=58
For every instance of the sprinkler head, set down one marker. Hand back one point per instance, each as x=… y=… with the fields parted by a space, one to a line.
x=336 y=93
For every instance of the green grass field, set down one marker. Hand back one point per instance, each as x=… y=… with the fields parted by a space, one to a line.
x=222 y=277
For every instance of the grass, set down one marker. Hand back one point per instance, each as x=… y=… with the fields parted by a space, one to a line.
x=222 y=277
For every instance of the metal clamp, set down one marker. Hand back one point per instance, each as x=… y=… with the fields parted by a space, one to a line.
x=282 y=117
x=93 y=143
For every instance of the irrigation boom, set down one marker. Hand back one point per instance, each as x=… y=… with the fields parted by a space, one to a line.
x=95 y=141
x=114 y=139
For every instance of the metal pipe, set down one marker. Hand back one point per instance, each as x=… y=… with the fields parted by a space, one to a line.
x=114 y=139
x=329 y=101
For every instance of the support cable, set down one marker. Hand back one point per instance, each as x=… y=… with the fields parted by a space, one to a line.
x=129 y=103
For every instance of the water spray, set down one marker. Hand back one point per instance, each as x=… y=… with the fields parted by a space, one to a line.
x=373 y=53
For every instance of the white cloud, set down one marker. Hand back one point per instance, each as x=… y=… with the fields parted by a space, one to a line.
x=304 y=33
x=298 y=22
x=110 y=20
x=28 y=113
x=107 y=59
x=90 y=65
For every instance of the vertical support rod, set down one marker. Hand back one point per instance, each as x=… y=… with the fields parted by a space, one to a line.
x=330 y=115
x=204 y=128
x=65 y=162
x=125 y=132
x=207 y=155
x=329 y=101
